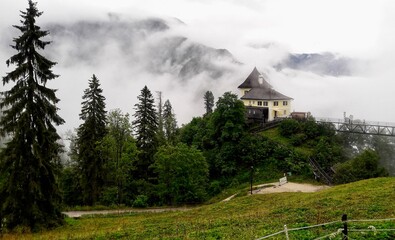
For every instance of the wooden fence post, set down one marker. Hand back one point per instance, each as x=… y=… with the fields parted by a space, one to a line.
x=251 y=175
x=345 y=229
x=286 y=232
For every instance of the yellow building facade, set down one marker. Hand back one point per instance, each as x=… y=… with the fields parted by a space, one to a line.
x=262 y=102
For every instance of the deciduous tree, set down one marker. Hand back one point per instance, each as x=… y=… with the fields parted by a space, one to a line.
x=161 y=130
x=228 y=119
x=170 y=123
x=119 y=149
x=183 y=174
x=208 y=102
x=228 y=127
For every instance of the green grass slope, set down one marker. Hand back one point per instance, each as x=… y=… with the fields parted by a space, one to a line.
x=247 y=217
x=274 y=135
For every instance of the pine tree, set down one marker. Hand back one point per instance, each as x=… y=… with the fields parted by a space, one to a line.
x=29 y=195
x=208 y=102
x=170 y=123
x=90 y=133
x=146 y=127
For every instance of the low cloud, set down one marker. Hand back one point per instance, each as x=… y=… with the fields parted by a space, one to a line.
x=256 y=33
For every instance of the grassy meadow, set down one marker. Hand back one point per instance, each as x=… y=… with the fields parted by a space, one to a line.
x=247 y=217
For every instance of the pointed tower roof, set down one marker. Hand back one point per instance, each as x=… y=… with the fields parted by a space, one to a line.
x=260 y=89
x=253 y=81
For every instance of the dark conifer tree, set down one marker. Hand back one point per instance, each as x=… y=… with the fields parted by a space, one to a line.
x=169 y=122
x=90 y=133
x=146 y=127
x=29 y=195
x=208 y=102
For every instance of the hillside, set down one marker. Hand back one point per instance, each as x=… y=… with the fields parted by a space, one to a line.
x=247 y=217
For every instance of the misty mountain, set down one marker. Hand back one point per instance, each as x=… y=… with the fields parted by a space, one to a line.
x=147 y=43
x=321 y=64
x=153 y=46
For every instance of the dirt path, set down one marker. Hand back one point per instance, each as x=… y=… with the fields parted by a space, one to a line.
x=259 y=189
x=77 y=214
x=288 y=187
x=229 y=198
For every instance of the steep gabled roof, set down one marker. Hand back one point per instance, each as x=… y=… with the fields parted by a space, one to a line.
x=252 y=81
x=260 y=88
x=264 y=94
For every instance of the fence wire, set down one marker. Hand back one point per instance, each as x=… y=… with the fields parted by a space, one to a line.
x=339 y=231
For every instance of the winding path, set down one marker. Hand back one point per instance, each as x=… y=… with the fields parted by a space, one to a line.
x=77 y=214
x=259 y=189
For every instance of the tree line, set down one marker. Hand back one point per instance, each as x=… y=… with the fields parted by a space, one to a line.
x=139 y=160
x=113 y=160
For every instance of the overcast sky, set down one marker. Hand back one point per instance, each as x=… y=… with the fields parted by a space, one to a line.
x=351 y=26
x=355 y=28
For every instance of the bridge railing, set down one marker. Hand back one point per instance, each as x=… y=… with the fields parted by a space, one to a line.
x=362 y=127
x=355 y=121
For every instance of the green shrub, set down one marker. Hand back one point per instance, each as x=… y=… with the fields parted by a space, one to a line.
x=311 y=129
x=363 y=166
x=289 y=127
x=109 y=196
x=215 y=188
x=298 y=139
x=141 y=201
x=70 y=187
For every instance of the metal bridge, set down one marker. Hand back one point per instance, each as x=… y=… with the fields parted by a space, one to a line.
x=350 y=126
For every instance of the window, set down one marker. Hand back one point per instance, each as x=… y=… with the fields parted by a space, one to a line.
x=265 y=104
x=275 y=103
x=285 y=103
x=245 y=92
x=285 y=112
x=259 y=103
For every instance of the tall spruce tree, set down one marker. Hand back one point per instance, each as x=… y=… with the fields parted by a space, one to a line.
x=90 y=133
x=146 y=127
x=208 y=102
x=29 y=195
x=170 y=123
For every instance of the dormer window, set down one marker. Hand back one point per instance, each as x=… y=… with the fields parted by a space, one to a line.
x=260 y=79
x=245 y=92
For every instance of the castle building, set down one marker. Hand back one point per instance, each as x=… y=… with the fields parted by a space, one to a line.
x=262 y=102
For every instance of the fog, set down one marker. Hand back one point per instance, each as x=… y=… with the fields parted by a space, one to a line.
x=256 y=33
